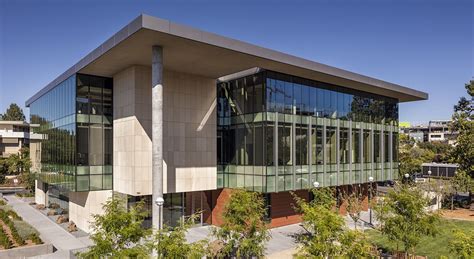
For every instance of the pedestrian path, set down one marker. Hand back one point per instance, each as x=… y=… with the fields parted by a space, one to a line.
x=49 y=231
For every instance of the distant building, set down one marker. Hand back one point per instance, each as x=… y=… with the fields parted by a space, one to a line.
x=434 y=131
x=435 y=170
x=15 y=135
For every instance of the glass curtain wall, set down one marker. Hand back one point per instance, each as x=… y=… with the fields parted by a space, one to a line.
x=55 y=113
x=278 y=132
x=75 y=121
x=94 y=130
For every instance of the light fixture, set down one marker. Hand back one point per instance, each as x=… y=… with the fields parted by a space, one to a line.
x=159 y=201
x=371 y=179
x=316 y=184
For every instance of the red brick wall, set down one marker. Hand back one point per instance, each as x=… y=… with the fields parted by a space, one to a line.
x=343 y=191
x=282 y=211
x=282 y=204
x=219 y=200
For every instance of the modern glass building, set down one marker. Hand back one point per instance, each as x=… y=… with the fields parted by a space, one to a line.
x=76 y=123
x=278 y=132
x=162 y=110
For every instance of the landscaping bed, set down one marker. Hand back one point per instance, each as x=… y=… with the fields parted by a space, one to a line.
x=432 y=247
x=14 y=232
x=458 y=213
x=59 y=216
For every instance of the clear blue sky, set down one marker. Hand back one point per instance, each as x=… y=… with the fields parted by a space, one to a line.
x=423 y=44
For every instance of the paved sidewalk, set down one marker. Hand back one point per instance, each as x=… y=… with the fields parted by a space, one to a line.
x=281 y=241
x=49 y=231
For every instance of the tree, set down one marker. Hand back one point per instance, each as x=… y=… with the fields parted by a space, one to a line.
x=13 y=113
x=412 y=156
x=326 y=234
x=19 y=163
x=460 y=182
x=354 y=207
x=244 y=231
x=171 y=243
x=118 y=232
x=403 y=216
x=440 y=149
x=463 y=123
x=462 y=244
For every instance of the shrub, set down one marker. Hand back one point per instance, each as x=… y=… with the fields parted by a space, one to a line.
x=40 y=206
x=13 y=214
x=4 y=240
x=3 y=202
x=54 y=206
x=24 y=229
x=35 y=238
x=72 y=227
x=6 y=219
x=52 y=212
x=62 y=219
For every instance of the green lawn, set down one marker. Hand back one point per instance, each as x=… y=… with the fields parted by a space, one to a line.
x=433 y=247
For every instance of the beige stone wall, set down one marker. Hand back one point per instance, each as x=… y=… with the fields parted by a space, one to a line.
x=83 y=205
x=35 y=155
x=10 y=146
x=189 y=132
x=40 y=194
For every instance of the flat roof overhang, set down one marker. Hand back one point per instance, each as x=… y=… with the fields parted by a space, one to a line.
x=193 y=51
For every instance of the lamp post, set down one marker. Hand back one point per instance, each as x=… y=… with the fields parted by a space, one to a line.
x=371 y=179
x=159 y=202
x=429 y=175
x=406 y=177
x=316 y=184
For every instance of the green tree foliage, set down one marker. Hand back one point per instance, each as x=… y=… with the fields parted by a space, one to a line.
x=118 y=232
x=19 y=163
x=403 y=216
x=440 y=149
x=171 y=243
x=244 y=232
x=461 y=182
x=412 y=156
x=13 y=113
x=354 y=207
x=327 y=234
x=463 y=123
x=462 y=244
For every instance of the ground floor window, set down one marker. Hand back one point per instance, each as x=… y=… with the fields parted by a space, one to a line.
x=174 y=208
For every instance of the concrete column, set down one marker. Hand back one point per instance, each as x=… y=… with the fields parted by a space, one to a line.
x=157 y=133
x=351 y=177
x=338 y=153
x=310 y=152
x=275 y=151
x=323 y=184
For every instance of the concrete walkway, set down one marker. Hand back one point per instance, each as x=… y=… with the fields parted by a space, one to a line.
x=281 y=242
x=49 y=231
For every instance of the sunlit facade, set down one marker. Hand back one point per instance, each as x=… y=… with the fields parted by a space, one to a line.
x=162 y=110
x=75 y=120
x=278 y=132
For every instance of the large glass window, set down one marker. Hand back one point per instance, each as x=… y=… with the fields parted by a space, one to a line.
x=386 y=145
x=344 y=148
x=367 y=154
x=331 y=139
x=355 y=146
x=258 y=111
x=377 y=151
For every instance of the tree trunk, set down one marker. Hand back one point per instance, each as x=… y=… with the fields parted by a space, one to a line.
x=452 y=202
